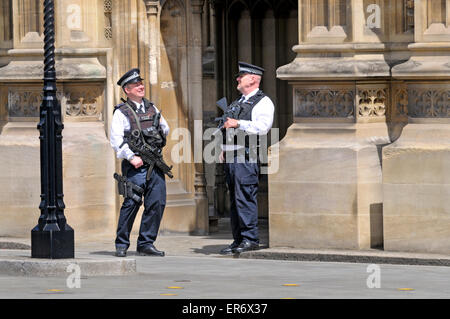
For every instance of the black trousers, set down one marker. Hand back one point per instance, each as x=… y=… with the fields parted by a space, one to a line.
x=242 y=180
x=154 y=205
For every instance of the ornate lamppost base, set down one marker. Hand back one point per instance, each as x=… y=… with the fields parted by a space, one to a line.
x=53 y=244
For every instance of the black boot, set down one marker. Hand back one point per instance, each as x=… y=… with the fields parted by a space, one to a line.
x=230 y=249
x=246 y=245
x=150 y=250
x=121 y=252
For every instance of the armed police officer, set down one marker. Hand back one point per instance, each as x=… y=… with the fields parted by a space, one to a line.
x=252 y=116
x=138 y=125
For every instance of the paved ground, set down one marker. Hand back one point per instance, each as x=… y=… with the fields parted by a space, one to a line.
x=192 y=269
x=227 y=278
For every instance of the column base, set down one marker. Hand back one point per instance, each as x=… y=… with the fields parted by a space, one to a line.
x=416 y=185
x=334 y=198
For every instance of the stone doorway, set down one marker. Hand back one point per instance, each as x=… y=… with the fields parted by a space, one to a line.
x=262 y=33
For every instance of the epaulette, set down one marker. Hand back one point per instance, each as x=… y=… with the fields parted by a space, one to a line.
x=256 y=98
x=118 y=106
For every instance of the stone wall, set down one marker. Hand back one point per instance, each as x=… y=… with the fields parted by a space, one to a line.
x=96 y=42
x=366 y=86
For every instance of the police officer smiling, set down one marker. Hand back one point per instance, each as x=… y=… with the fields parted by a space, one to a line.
x=254 y=117
x=137 y=114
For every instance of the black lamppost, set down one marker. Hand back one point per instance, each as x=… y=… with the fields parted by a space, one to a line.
x=52 y=238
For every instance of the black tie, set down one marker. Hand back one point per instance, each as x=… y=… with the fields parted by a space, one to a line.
x=236 y=109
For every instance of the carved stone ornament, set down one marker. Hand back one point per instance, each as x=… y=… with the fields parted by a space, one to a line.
x=83 y=102
x=79 y=103
x=372 y=102
x=429 y=103
x=400 y=101
x=24 y=103
x=107 y=8
x=324 y=102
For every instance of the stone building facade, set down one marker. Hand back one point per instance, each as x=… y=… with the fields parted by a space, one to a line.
x=361 y=89
x=370 y=136
x=96 y=42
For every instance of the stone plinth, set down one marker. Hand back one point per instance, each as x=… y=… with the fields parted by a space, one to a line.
x=179 y=216
x=416 y=187
x=334 y=198
x=88 y=179
x=20 y=178
x=89 y=186
x=23 y=266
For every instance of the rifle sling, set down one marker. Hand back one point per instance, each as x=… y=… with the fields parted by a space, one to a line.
x=137 y=122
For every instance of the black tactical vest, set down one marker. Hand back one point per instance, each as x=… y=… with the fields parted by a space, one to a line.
x=244 y=112
x=145 y=120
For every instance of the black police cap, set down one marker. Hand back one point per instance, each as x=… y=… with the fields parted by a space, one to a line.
x=245 y=68
x=132 y=76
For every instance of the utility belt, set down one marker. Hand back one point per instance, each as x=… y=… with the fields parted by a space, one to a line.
x=249 y=153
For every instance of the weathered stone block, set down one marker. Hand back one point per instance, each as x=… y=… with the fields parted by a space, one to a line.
x=416 y=187
x=334 y=199
x=88 y=185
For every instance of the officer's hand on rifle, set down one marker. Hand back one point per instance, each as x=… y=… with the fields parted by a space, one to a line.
x=136 y=161
x=231 y=123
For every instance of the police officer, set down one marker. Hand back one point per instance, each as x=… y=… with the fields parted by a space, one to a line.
x=135 y=170
x=254 y=117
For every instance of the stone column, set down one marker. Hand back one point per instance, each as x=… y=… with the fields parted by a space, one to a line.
x=196 y=111
x=153 y=9
x=416 y=171
x=6 y=43
x=220 y=189
x=209 y=71
x=6 y=24
x=341 y=95
x=28 y=24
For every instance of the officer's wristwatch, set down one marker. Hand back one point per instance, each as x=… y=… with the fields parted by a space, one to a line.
x=131 y=158
x=238 y=124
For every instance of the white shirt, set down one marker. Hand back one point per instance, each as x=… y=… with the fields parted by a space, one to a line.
x=262 y=116
x=261 y=119
x=119 y=124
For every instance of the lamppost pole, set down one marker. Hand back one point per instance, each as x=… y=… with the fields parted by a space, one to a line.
x=52 y=238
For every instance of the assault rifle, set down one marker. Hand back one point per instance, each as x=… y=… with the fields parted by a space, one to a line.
x=231 y=112
x=227 y=112
x=150 y=155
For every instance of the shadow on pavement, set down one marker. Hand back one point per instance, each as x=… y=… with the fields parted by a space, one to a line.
x=183 y=245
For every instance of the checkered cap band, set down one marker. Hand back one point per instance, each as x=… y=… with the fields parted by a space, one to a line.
x=249 y=70
x=131 y=77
